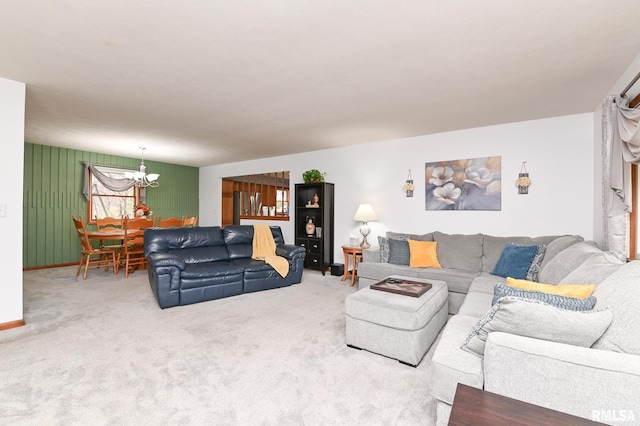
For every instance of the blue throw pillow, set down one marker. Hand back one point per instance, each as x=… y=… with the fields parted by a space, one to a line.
x=564 y=302
x=515 y=261
x=399 y=253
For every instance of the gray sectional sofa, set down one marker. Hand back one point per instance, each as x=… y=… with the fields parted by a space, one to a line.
x=599 y=382
x=463 y=258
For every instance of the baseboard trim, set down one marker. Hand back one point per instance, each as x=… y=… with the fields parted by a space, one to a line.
x=11 y=324
x=33 y=268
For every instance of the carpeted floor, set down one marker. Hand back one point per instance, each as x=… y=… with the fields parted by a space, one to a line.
x=101 y=351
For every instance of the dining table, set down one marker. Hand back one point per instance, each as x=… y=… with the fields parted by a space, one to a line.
x=110 y=235
x=106 y=234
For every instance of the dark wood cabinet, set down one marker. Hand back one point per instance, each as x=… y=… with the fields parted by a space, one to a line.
x=314 y=206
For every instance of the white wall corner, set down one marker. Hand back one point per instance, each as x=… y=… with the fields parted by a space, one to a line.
x=12 y=112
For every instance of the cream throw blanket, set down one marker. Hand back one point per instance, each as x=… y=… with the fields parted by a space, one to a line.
x=264 y=248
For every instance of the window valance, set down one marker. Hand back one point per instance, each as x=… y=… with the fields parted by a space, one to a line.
x=109 y=182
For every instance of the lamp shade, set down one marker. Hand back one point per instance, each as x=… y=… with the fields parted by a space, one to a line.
x=365 y=213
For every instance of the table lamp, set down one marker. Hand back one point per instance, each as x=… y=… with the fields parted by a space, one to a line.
x=364 y=214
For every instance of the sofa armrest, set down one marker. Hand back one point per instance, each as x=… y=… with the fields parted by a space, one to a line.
x=157 y=260
x=289 y=251
x=371 y=255
x=589 y=383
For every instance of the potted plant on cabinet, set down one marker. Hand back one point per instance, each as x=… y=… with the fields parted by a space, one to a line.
x=313 y=175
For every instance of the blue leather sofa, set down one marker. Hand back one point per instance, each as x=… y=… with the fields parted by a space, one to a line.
x=190 y=265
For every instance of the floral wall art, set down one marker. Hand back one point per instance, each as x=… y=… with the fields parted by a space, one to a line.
x=468 y=184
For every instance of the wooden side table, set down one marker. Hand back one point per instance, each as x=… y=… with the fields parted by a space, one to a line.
x=355 y=253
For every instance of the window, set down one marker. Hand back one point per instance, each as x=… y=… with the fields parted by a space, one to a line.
x=104 y=202
x=282 y=203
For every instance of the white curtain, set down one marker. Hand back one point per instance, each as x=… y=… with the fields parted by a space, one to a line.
x=108 y=182
x=620 y=148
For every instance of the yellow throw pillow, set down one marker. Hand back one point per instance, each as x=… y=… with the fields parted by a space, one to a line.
x=423 y=254
x=579 y=291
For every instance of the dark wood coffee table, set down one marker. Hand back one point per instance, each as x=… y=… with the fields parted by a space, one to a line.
x=472 y=406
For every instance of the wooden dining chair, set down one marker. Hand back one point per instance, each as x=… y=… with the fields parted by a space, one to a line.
x=189 y=222
x=172 y=222
x=107 y=223
x=92 y=256
x=132 y=253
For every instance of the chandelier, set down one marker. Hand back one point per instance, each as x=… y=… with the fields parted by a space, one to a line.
x=141 y=178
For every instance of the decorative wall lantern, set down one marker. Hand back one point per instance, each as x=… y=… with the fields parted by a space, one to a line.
x=523 y=182
x=408 y=186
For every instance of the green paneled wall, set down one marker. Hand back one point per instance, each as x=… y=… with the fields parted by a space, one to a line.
x=53 y=193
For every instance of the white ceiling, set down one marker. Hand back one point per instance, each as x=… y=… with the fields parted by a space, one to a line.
x=204 y=82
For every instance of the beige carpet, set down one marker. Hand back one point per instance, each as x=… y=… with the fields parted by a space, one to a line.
x=101 y=351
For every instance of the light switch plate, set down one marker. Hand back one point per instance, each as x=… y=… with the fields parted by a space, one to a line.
x=3 y=209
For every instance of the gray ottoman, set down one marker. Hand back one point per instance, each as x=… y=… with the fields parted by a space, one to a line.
x=394 y=325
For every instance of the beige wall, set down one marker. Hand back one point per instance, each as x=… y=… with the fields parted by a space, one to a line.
x=559 y=152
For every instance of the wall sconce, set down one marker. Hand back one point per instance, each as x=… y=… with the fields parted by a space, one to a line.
x=523 y=182
x=408 y=185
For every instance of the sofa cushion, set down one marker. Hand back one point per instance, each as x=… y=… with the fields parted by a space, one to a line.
x=239 y=239
x=620 y=291
x=557 y=245
x=459 y=251
x=203 y=254
x=580 y=381
x=580 y=291
x=399 y=252
x=485 y=283
x=248 y=264
x=423 y=254
x=219 y=269
x=458 y=281
x=594 y=269
x=566 y=261
x=451 y=365
x=531 y=318
x=380 y=271
x=564 y=302
x=492 y=247
x=162 y=240
x=416 y=237
x=515 y=261
x=372 y=254
x=240 y=251
x=243 y=234
x=476 y=304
